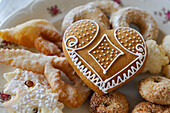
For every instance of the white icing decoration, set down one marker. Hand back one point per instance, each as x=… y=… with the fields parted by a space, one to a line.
x=105 y=85
x=121 y=53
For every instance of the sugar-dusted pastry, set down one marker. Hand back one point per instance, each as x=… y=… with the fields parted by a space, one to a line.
x=148 y=107
x=71 y=95
x=27 y=33
x=156 y=57
x=155 y=89
x=104 y=59
x=23 y=78
x=146 y=23
x=51 y=66
x=48 y=48
x=85 y=12
x=166 y=45
x=34 y=100
x=113 y=102
x=108 y=7
x=166 y=71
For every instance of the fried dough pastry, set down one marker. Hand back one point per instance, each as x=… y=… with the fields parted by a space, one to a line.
x=48 y=48
x=71 y=95
x=27 y=33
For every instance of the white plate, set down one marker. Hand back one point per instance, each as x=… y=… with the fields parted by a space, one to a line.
x=41 y=9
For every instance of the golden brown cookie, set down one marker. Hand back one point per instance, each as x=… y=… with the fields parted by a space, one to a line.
x=113 y=102
x=108 y=7
x=85 y=12
x=104 y=59
x=166 y=71
x=147 y=107
x=155 y=89
x=167 y=109
x=146 y=23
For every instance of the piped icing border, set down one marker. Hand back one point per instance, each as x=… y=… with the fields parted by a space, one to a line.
x=105 y=85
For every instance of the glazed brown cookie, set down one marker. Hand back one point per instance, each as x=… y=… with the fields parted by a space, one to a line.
x=146 y=23
x=113 y=102
x=104 y=59
x=147 y=107
x=155 y=89
x=85 y=12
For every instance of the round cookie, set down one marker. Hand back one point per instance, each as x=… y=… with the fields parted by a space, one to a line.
x=155 y=89
x=85 y=12
x=113 y=102
x=107 y=7
x=167 y=109
x=147 y=107
x=146 y=23
x=166 y=71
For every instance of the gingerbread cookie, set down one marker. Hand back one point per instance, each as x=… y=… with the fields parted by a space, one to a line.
x=35 y=99
x=104 y=59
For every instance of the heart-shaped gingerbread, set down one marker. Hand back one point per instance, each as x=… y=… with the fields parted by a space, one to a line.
x=104 y=59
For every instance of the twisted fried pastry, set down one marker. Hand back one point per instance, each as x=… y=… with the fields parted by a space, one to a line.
x=71 y=95
x=27 y=33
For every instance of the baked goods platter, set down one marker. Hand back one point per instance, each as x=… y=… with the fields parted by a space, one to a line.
x=36 y=86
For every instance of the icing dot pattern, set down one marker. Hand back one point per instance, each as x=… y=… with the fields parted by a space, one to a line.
x=129 y=38
x=104 y=53
x=84 y=31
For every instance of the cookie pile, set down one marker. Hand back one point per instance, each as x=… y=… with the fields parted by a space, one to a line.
x=96 y=50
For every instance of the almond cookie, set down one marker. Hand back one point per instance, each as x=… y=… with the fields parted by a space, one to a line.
x=166 y=45
x=104 y=59
x=108 y=7
x=167 y=109
x=113 y=102
x=35 y=99
x=85 y=12
x=166 y=71
x=155 y=89
x=24 y=78
x=147 y=107
x=156 y=57
x=146 y=23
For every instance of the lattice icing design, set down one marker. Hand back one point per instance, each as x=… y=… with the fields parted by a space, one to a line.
x=81 y=33
x=105 y=53
x=130 y=39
